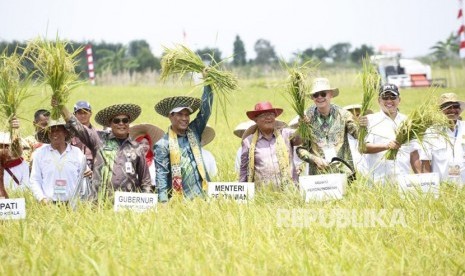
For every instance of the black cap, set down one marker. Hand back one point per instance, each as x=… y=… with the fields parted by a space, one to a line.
x=82 y=105
x=392 y=88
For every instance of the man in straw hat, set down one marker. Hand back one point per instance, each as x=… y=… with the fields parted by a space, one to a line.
x=147 y=135
x=444 y=152
x=381 y=136
x=119 y=164
x=331 y=126
x=57 y=166
x=267 y=149
x=239 y=131
x=179 y=163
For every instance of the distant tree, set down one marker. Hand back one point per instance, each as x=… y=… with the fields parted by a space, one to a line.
x=140 y=51
x=115 y=61
x=340 y=52
x=320 y=53
x=359 y=53
x=265 y=52
x=239 y=58
x=209 y=54
x=446 y=51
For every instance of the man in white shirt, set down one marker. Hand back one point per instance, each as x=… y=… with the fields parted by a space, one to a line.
x=381 y=136
x=57 y=167
x=444 y=150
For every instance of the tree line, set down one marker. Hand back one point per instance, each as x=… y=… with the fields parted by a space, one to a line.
x=136 y=56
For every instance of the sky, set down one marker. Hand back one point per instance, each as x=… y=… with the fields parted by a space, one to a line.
x=290 y=26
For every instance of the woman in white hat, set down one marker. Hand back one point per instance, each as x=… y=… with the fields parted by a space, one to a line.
x=239 y=131
x=210 y=162
x=331 y=126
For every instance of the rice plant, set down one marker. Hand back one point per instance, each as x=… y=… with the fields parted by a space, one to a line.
x=370 y=85
x=14 y=84
x=297 y=90
x=180 y=61
x=56 y=67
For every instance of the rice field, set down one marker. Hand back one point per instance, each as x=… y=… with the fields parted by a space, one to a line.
x=275 y=234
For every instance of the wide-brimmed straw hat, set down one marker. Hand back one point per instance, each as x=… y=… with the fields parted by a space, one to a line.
x=278 y=124
x=263 y=107
x=451 y=98
x=322 y=84
x=294 y=123
x=105 y=115
x=208 y=135
x=241 y=127
x=176 y=104
x=153 y=131
x=52 y=123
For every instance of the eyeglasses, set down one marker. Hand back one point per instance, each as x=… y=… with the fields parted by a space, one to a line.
x=116 y=121
x=318 y=94
x=450 y=106
x=389 y=97
x=267 y=115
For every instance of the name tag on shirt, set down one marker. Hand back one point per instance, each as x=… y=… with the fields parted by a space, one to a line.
x=128 y=168
x=60 y=186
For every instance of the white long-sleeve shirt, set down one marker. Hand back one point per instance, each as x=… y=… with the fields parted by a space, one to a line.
x=21 y=173
x=54 y=176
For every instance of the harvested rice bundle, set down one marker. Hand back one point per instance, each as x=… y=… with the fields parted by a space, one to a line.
x=181 y=61
x=418 y=121
x=14 y=84
x=370 y=86
x=56 y=66
x=296 y=88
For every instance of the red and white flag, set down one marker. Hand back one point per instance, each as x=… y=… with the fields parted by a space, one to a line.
x=461 y=32
x=90 y=64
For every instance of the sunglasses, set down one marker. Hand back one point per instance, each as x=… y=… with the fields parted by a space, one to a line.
x=450 y=106
x=119 y=120
x=389 y=97
x=318 y=94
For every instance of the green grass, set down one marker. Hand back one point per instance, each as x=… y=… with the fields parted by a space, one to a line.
x=222 y=237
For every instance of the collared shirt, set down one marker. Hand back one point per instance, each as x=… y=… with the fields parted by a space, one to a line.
x=191 y=185
x=267 y=169
x=21 y=172
x=54 y=176
x=382 y=130
x=444 y=150
x=128 y=154
x=329 y=132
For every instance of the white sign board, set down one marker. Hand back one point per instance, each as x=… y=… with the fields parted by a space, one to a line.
x=423 y=183
x=323 y=187
x=14 y=208
x=238 y=191
x=137 y=202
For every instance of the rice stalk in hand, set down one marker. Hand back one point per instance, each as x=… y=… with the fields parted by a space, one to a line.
x=296 y=89
x=56 y=67
x=418 y=121
x=370 y=85
x=14 y=84
x=180 y=61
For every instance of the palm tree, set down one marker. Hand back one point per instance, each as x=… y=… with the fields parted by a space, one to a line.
x=444 y=52
x=116 y=61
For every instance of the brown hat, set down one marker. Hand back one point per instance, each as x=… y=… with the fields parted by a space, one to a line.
x=253 y=128
x=208 y=135
x=263 y=107
x=153 y=131
x=450 y=98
